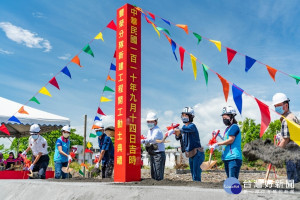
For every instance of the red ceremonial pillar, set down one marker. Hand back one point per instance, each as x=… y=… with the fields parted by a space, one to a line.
x=128 y=96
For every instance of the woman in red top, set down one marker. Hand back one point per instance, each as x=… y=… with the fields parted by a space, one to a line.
x=10 y=161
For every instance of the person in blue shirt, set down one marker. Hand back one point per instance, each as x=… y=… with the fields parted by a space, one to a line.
x=61 y=154
x=107 y=151
x=190 y=142
x=232 y=140
x=155 y=150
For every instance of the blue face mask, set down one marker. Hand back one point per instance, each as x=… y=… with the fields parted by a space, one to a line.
x=35 y=137
x=150 y=125
x=185 y=119
x=99 y=133
x=279 y=109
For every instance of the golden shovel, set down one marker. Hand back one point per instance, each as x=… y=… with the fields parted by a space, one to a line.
x=67 y=169
x=210 y=163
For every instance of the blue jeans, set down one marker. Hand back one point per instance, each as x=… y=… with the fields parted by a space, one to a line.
x=232 y=167
x=293 y=170
x=195 y=163
x=58 y=172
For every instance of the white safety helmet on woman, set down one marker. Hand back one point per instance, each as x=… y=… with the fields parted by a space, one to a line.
x=228 y=110
x=35 y=128
x=188 y=111
x=151 y=116
x=66 y=128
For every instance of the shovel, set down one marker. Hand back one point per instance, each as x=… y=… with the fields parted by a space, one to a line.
x=67 y=169
x=210 y=163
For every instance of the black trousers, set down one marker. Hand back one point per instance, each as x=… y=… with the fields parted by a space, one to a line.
x=107 y=169
x=157 y=164
x=41 y=166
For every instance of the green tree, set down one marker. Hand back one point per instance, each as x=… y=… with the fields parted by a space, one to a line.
x=272 y=130
x=250 y=130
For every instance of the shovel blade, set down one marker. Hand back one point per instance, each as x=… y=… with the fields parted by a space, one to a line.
x=208 y=165
x=66 y=170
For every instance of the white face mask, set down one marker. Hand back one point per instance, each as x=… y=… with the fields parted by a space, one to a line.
x=150 y=125
x=35 y=137
x=66 y=135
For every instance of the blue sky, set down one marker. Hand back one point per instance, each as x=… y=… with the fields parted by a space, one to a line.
x=37 y=39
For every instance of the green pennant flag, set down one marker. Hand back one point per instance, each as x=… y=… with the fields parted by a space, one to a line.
x=198 y=37
x=163 y=29
x=297 y=78
x=34 y=100
x=106 y=88
x=205 y=68
x=92 y=135
x=87 y=49
x=80 y=172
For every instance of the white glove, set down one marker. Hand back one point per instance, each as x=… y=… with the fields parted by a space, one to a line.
x=171 y=132
x=97 y=165
x=214 y=146
x=70 y=158
x=278 y=136
x=24 y=153
x=31 y=167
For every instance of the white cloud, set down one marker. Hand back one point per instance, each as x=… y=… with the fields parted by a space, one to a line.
x=65 y=57
x=5 y=52
x=23 y=36
x=38 y=15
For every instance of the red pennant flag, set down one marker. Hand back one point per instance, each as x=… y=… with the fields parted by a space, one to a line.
x=230 y=54
x=115 y=54
x=151 y=15
x=225 y=86
x=148 y=20
x=54 y=82
x=100 y=112
x=76 y=61
x=181 y=52
x=112 y=25
x=265 y=117
x=86 y=151
x=23 y=111
x=4 y=129
x=271 y=71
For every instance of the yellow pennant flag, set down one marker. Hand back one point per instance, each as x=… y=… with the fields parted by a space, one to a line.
x=99 y=36
x=45 y=91
x=294 y=130
x=193 y=59
x=104 y=99
x=88 y=145
x=156 y=30
x=217 y=43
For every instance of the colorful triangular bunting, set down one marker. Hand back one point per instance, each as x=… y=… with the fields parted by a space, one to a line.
x=100 y=112
x=237 y=97
x=225 y=86
x=181 y=53
x=297 y=78
x=198 y=37
x=230 y=54
x=106 y=88
x=110 y=79
x=44 y=91
x=54 y=82
x=112 y=67
x=184 y=27
x=265 y=116
x=23 y=111
x=112 y=25
x=4 y=129
x=14 y=119
x=99 y=36
x=76 y=60
x=104 y=99
x=249 y=63
x=205 y=68
x=217 y=43
x=34 y=99
x=66 y=71
x=87 y=49
x=193 y=60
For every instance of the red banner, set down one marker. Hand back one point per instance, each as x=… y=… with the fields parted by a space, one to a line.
x=128 y=96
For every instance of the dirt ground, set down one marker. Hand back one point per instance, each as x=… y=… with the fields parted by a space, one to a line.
x=210 y=179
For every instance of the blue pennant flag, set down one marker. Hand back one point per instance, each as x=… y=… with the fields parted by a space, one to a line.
x=237 y=97
x=249 y=63
x=173 y=49
x=97 y=118
x=166 y=21
x=113 y=67
x=66 y=71
x=14 y=119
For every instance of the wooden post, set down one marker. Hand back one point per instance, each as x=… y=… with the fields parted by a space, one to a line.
x=84 y=143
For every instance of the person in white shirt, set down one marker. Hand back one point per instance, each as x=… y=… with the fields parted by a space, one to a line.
x=154 y=149
x=38 y=145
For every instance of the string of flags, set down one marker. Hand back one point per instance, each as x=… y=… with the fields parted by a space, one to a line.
x=53 y=81
x=103 y=99
x=249 y=61
x=236 y=91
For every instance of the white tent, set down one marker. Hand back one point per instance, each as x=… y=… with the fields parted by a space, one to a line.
x=47 y=121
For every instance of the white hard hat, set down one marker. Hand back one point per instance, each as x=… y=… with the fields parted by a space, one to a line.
x=34 y=129
x=66 y=128
x=98 y=124
x=228 y=110
x=151 y=116
x=188 y=110
x=279 y=98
